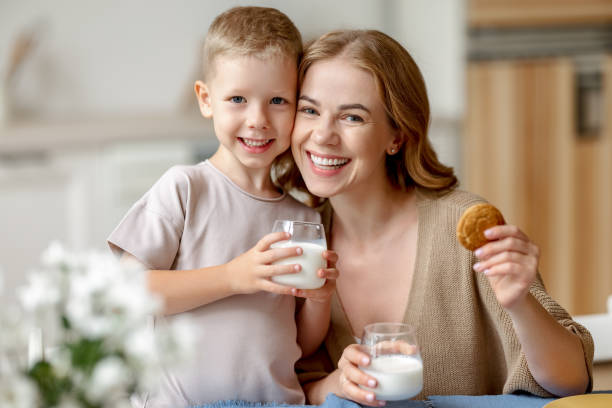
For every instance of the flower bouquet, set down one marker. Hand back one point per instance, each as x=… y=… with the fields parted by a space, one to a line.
x=94 y=316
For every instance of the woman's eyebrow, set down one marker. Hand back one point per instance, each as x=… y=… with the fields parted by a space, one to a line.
x=353 y=106
x=308 y=99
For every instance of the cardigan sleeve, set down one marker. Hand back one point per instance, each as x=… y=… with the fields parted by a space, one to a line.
x=519 y=377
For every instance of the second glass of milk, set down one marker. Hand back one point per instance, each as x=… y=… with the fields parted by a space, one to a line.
x=395 y=360
x=311 y=238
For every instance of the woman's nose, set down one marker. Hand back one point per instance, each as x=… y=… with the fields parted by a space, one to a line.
x=257 y=118
x=325 y=133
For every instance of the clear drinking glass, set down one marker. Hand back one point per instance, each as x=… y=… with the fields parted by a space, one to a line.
x=395 y=360
x=311 y=238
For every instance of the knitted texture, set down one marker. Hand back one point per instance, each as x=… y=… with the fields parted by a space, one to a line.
x=467 y=340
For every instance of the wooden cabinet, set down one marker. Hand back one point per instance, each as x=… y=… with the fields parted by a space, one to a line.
x=522 y=152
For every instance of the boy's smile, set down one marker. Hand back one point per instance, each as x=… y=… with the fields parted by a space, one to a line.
x=252 y=103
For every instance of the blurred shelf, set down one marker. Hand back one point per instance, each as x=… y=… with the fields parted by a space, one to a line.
x=34 y=137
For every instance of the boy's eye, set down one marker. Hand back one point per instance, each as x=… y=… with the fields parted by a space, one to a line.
x=238 y=99
x=277 y=100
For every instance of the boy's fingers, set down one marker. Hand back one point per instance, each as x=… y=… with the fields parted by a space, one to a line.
x=267 y=240
x=275 y=270
x=276 y=254
x=272 y=287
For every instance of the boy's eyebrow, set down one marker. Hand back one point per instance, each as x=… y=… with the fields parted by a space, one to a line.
x=341 y=107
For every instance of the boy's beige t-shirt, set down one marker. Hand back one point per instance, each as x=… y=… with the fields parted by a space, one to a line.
x=246 y=348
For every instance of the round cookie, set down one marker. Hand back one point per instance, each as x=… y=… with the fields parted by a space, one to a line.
x=474 y=222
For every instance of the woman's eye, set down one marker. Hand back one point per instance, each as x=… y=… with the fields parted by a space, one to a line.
x=277 y=100
x=238 y=99
x=308 y=111
x=353 y=118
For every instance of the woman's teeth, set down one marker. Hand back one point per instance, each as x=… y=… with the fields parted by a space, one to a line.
x=256 y=143
x=325 y=162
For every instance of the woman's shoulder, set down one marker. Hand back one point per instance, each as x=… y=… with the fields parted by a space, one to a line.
x=454 y=200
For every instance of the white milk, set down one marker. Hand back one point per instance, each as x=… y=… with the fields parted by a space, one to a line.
x=399 y=376
x=311 y=261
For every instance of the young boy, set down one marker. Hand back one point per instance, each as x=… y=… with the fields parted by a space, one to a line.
x=199 y=229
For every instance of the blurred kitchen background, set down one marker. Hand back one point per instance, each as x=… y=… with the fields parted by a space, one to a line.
x=96 y=102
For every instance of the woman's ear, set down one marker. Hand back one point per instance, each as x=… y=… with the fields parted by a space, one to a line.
x=396 y=143
x=203 y=95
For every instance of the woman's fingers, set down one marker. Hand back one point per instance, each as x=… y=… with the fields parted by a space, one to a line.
x=527 y=261
x=353 y=355
x=328 y=273
x=331 y=257
x=503 y=231
x=351 y=376
x=354 y=392
x=514 y=244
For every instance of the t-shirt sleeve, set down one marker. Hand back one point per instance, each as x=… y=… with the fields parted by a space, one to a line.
x=519 y=376
x=151 y=230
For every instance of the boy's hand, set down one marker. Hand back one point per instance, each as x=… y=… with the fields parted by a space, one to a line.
x=251 y=271
x=324 y=293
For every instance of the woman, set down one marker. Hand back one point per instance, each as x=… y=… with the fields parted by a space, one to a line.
x=483 y=320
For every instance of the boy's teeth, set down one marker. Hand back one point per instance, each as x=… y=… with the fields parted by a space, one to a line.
x=255 y=143
x=322 y=161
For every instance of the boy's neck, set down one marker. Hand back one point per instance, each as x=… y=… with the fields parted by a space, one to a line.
x=254 y=181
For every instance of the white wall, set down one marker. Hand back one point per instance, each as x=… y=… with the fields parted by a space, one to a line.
x=123 y=57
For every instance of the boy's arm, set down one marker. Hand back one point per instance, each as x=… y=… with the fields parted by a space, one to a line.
x=183 y=290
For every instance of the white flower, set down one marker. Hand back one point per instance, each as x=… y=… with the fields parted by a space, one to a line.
x=54 y=255
x=16 y=391
x=88 y=305
x=110 y=379
x=41 y=292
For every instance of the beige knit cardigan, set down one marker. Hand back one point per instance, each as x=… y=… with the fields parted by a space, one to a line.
x=467 y=340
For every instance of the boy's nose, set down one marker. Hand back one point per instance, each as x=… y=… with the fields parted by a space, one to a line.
x=257 y=118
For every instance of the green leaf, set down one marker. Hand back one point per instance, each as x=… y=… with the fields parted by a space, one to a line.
x=49 y=384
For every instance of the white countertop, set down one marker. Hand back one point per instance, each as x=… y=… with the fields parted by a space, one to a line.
x=41 y=136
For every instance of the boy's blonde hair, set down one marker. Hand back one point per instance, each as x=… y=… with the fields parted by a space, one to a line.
x=251 y=31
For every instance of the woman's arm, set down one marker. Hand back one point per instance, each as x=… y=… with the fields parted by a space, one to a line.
x=314 y=316
x=554 y=355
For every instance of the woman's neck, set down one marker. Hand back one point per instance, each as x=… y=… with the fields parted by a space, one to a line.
x=368 y=213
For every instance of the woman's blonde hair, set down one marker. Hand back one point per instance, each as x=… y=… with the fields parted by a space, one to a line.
x=245 y=31
x=402 y=90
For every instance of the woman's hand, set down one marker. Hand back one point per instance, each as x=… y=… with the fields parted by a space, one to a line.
x=510 y=261
x=324 y=293
x=351 y=377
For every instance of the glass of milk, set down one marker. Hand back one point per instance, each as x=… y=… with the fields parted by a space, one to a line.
x=311 y=238
x=395 y=360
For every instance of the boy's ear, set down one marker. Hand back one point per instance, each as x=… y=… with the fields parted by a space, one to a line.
x=203 y=95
